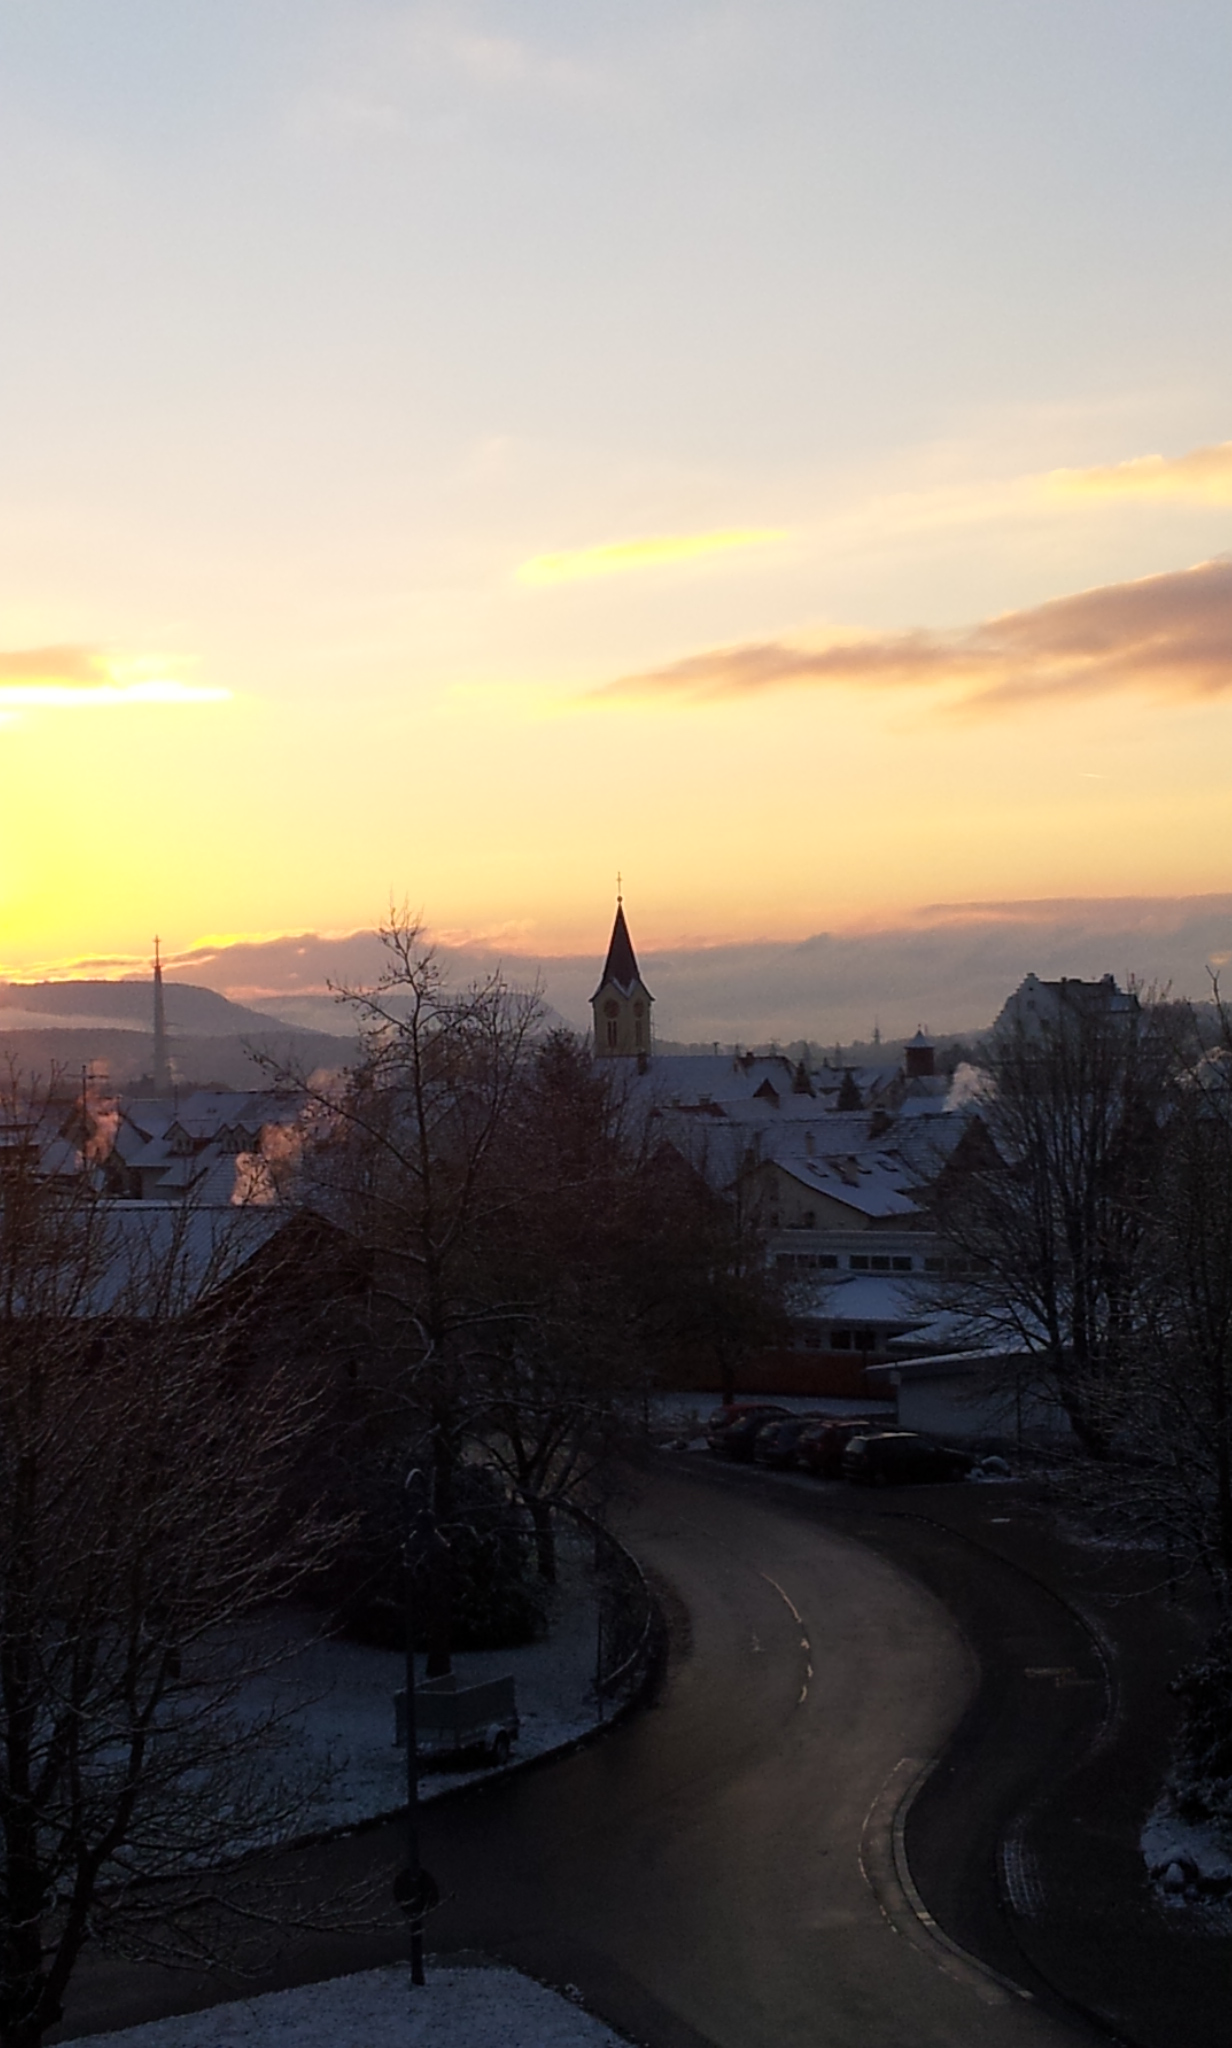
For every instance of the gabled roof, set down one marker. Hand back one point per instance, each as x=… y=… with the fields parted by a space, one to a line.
x=621 y=966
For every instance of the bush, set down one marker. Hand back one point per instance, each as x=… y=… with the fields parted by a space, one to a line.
x=1203 y=1774
x=498 y=1600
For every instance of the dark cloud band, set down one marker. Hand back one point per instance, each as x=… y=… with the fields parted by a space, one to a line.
x=1170 y=633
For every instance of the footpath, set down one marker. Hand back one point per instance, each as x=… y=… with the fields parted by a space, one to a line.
x=1073 y=1888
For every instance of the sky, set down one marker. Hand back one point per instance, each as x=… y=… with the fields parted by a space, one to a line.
x=779 y=452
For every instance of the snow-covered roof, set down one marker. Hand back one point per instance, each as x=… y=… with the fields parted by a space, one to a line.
x=142 y=1258
x=873 y=1184
x=883 y=1299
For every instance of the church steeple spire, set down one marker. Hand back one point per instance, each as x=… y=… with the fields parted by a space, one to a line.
x=621 y=1003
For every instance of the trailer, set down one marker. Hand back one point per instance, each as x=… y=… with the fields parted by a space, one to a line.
x=453 y=1719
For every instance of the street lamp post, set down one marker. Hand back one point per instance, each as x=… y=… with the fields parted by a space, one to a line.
x=413 y=1886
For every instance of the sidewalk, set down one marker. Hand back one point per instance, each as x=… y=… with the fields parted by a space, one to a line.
x=1078 y=1894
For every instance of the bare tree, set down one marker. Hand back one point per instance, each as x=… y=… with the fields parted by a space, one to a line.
x=411 y=1157
x=144 y=1529
x=562 y=1370
x=724 y=1297
x=1167 y=1413
x=1049 y=1219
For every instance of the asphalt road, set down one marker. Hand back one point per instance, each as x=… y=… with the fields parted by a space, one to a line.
x=702 y=1874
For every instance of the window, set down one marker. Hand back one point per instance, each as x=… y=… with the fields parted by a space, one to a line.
x=611 y=1009
x=808 y=1219
x=611 y=1031
x=858 y=1262
x=866 y=1340
x=881 y=1265
x=840 y=1340
x=828 y=1260
x=812 y=1340
x=902 y=1265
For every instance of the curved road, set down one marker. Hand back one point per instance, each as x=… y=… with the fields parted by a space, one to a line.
x=705 y=1873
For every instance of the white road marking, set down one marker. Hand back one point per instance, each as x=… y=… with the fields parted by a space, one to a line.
x=798 y=1618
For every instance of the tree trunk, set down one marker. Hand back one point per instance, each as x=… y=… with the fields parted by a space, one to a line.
x=440 y=1559
x=545 y=1540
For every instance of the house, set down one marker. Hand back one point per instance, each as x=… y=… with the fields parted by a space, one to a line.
x=1038 y=1006
x=986 y=1396
x=213 y=1146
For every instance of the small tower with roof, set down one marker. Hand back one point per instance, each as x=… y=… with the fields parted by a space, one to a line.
x=621 y=1003
x=920 y=1056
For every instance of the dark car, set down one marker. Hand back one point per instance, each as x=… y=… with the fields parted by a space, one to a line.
x=819 y=1448
x=896 y=1457
x=775 y=1443
x=738 y=1415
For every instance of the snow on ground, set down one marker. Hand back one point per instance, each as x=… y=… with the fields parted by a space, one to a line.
x=471 y=2008
x=1189 y=1862
x=346 y=1732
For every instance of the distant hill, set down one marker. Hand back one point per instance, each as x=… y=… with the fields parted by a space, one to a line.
x=55 y=1028
x=126 y=1058
x=127 y=1006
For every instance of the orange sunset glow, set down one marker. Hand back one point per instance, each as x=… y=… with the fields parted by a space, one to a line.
x=690 y=478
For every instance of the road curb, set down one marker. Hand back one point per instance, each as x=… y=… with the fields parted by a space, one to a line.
x=883 y=1861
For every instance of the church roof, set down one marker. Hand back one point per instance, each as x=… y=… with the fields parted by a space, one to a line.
x=621 y=964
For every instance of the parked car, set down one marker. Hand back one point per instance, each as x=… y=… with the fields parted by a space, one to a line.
x=897 y=1456
x=776 y=1441
x=819 y=1448
x=730 y=1431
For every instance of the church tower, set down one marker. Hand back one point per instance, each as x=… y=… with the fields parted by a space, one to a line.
x=621 y=1003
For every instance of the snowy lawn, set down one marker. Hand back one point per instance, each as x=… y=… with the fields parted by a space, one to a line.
x=346 y=1731
x=472 y=2008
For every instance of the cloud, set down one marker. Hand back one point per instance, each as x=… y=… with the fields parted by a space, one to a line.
x=1171 y=633
x=48 y=664
x=1203 y=477
x=70 y=678
x=657 y=551
x=947 y=965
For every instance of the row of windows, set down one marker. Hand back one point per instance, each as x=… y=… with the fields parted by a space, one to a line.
x=866 y=1262
x=840 y=1340
x=858 y=1262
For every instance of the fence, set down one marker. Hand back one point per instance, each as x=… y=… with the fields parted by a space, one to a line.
x=626 y=1616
